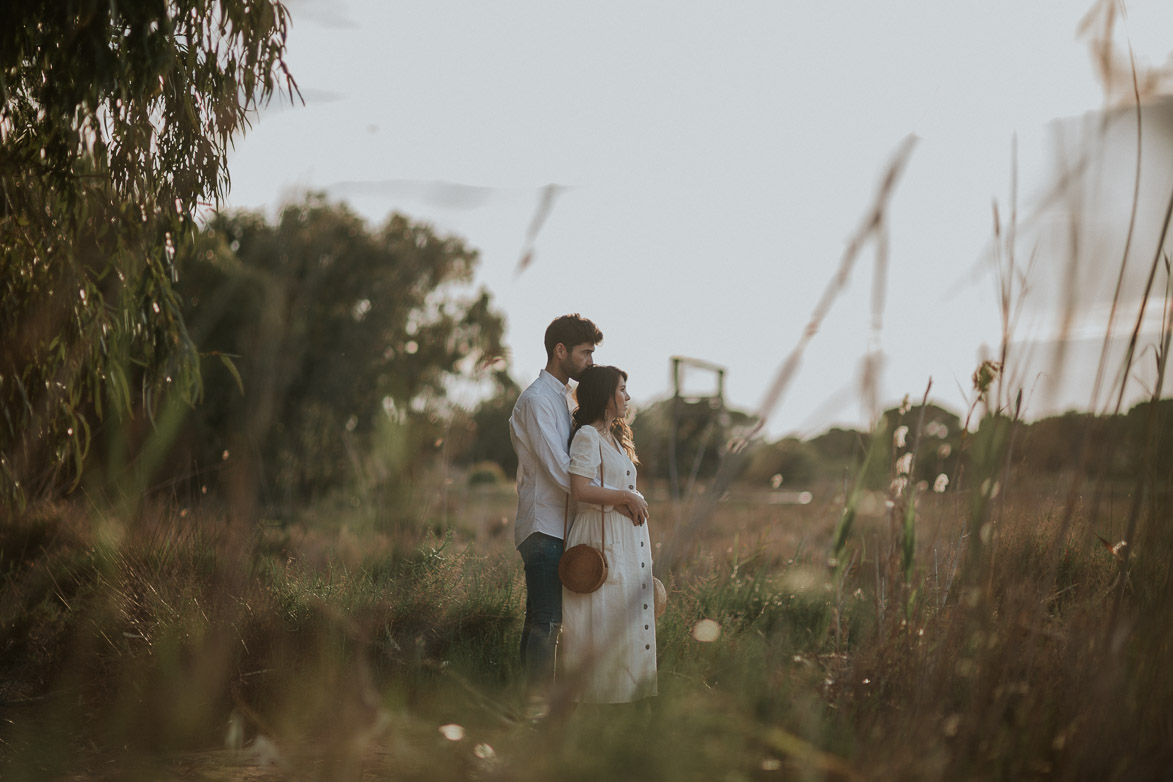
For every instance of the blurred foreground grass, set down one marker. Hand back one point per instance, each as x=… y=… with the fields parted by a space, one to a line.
x=172 y=646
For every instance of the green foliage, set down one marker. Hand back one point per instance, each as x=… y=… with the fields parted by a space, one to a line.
x=840 y=447
x=489 y=430
x=344 y=334
x=1053 y=444
x=1106 y=444
x=925 y=444
x=487 y=474
x=987 y=454
x=938 y=449
x=873 y=461
x=162 y=627
x=127 y=641
x=115 y=124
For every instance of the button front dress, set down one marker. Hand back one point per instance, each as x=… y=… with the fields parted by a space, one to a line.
x=608 y=646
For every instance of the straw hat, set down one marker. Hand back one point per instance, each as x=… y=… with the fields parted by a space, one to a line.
x=661 y=596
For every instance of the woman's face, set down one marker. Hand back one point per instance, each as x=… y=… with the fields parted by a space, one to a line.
x=618 y=404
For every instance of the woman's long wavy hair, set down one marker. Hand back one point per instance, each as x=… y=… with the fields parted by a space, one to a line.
x=596 y=388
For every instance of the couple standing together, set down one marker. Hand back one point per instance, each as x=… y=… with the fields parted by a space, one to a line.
x=577 y=484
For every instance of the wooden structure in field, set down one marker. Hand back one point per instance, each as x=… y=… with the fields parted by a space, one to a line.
x=695 y=410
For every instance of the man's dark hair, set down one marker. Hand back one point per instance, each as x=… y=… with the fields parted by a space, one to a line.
x=571 y=330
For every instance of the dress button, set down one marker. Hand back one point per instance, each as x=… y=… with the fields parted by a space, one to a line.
x=641 y=544
x=630 y=486
x=629 y=472
x=645 y=586
x=647 y=646
x=645 y=606
x=642 y=564
x=645 y=627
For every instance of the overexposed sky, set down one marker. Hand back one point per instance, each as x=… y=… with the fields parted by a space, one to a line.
x=715 y=160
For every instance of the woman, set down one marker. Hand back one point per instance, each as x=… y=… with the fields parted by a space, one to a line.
x=608 y=643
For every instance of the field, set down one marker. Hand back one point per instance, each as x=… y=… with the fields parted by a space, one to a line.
x=249 y=530
x=177 y=647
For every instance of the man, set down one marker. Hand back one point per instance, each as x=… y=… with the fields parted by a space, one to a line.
x=540 y=431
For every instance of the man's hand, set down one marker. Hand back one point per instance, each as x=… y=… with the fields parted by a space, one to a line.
x=636 y=508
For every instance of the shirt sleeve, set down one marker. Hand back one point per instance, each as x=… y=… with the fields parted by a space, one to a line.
x=539 y=424
x=584 y=455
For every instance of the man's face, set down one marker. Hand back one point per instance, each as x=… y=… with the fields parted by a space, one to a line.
x=579 y=358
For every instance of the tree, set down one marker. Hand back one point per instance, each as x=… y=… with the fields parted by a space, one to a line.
x=489 y=429
x=939 y=449
x=340 y=329
x=796 y=462
x=115 y=122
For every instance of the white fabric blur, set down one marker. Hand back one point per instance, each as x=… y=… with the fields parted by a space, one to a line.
x=608 y=646
x=540 y=430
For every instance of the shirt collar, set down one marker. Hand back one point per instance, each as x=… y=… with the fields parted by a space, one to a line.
x=553 y=382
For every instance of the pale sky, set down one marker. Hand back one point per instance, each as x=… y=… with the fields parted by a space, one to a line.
x=716 y=159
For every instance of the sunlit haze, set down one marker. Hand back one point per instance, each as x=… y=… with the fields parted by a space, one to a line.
x=712 y=162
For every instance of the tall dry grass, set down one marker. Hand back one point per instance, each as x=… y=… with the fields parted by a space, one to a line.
x=145 y=658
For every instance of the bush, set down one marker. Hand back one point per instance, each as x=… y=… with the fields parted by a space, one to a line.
x=486 y=474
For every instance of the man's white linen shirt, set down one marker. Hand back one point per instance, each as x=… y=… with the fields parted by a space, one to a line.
x=540 y=431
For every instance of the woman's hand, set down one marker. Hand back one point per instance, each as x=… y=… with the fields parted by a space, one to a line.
x=627 y=501
x=638 y=506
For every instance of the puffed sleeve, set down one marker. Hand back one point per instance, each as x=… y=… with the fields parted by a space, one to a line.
x=584 y=454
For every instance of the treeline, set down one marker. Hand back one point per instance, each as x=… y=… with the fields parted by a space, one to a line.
x=328 y=351
x=1110 y=446
x=682 y=442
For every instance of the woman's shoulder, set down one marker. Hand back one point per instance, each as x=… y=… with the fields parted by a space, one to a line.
x=582 y=440
x=588 y=433
x=584 y=452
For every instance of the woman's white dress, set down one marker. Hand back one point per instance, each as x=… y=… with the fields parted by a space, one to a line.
x=608 y=646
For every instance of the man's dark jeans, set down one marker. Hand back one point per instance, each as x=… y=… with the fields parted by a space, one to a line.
x=543 y=607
